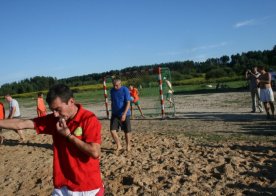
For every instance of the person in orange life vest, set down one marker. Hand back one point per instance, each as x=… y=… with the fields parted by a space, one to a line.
x=134 y=96
x=41 y=108
x=76 y=134
x=2 y=116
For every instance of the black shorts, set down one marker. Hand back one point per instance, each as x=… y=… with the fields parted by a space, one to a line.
x=115 y=124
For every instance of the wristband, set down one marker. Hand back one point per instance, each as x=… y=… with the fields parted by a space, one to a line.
x=68 y=136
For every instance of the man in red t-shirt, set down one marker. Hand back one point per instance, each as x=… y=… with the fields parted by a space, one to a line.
x=76 y=136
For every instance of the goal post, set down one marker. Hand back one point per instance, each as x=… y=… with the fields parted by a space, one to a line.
x=151 y=87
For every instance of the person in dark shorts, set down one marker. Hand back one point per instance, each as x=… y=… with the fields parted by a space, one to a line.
x=120 y=118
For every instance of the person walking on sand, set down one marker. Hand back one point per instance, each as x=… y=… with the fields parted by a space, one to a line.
x=266 y=93
x=2 y=117
x=14 y=112
x=252 y=76
x=169 y=92
x=76 y=134
x=120 y=104
x=41 y=108
x=134 y=96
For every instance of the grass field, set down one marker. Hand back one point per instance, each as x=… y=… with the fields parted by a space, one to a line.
x=94 y=93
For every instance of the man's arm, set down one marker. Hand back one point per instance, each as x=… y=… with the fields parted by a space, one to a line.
x=12 y=111
x=169 y=84
x=247 y=74
x=125 y=111
x=91 y=149
x=16 y=124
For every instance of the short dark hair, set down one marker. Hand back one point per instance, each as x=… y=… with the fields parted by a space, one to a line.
x=261 y=67
x=39 y=94
x=59 y=90
x=115 y=80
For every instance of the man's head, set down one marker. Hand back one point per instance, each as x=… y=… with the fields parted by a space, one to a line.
x=117 y=84
x=8 y=97
x=40 y=94
x=61 y=101
x=130 y=87
x=261 y=68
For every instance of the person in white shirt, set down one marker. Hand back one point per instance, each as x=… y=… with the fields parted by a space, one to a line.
x=14 y=112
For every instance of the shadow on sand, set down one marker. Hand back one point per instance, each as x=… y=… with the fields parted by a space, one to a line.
x=11 y=142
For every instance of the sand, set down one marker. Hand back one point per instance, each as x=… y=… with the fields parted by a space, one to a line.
x=213 y=146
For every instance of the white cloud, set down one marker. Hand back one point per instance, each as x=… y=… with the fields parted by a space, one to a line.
x=252 y=22
x=245 y=23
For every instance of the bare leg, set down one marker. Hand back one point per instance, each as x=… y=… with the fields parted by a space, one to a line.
x=171 y=102
x=131 y=109
x=140 y=110
x=1 y=137
x=272 y=108
x=128 y=143
x=21 y=135
x=116 y=139
x=267 y=110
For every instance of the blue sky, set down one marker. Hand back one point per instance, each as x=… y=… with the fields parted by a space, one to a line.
x=64 y=38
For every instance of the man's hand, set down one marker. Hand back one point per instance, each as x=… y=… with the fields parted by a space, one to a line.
x=123 y=118
x=62 y=127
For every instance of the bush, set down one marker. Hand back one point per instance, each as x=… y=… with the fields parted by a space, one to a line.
x=219 y=73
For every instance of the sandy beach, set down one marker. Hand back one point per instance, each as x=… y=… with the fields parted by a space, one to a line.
x=214 y=146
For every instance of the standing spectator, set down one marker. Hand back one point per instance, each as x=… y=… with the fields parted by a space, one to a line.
x=76 y=134
x=120 y=104
x=41 y=108
x=134 y=95
x=169 y=92
x=2 y=117
x=266 y=93
x=252 y=76
x=14 y=112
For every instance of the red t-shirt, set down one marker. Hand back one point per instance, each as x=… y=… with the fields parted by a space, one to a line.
x=72 y=167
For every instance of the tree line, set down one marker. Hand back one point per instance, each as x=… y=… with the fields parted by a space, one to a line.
x=225 y=66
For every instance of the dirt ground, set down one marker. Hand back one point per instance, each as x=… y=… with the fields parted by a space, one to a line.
x=214 y=146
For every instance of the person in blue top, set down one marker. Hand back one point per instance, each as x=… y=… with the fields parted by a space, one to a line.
x=120 y=118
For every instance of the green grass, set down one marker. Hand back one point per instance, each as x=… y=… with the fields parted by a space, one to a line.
x=94 y=93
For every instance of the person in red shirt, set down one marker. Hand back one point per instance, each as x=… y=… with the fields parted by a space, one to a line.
x=76 y=134
x=41 y=108
x=134 y=95
x=2 y=116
